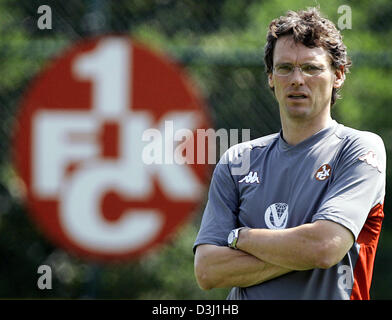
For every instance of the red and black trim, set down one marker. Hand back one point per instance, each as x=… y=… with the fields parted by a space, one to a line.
x=368 y=240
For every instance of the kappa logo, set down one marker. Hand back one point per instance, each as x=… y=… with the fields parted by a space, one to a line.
x=276 y=215
x=371 y=159
x=323 y=173
x=252 y=177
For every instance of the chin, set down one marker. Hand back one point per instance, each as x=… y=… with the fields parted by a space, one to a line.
x=300 y=112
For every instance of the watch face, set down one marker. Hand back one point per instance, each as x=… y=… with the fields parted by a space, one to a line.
x=230 y=238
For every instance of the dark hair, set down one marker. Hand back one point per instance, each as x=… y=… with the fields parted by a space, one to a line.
x=312 y=30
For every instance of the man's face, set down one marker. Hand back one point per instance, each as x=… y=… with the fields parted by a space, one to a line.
x=303 y=97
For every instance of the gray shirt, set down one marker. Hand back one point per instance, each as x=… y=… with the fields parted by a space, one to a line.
x=338 y=174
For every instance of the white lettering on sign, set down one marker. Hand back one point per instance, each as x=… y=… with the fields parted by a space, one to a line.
x=108 y=69
x=53 y=150
x=80 y=193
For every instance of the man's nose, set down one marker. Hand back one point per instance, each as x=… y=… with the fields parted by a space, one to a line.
x=297 y=78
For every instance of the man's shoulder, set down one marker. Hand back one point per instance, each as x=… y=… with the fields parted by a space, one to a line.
x=239 y=156
x=362 y=145
x=359 y=138
x=255 y=144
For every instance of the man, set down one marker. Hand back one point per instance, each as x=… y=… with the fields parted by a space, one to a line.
x=304 y=221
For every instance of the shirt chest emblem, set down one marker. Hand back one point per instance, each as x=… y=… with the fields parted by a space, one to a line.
x=323 y=173
x=251 y=177
x=276 y=215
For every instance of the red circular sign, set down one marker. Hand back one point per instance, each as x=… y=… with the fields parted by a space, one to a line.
x=102 y=144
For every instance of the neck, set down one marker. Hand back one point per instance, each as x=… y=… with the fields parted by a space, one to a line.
x=295 y=131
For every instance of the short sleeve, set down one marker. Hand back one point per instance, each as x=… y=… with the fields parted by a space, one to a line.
x=357 y=183
x=220 y=214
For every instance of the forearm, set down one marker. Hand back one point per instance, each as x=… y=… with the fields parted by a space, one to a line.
x=280 y=247
x=223 y=267
x=309 y=246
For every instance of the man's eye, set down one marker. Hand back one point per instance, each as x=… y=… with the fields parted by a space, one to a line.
x=310 y=67
x=285 y=67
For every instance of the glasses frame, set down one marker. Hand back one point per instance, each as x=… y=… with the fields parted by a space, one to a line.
x=318 y=72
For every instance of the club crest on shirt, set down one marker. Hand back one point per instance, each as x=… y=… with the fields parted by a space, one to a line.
x=276 y=215
x=323 y=173
x=371 y=159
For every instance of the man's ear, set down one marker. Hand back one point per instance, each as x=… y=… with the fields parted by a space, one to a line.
x=339 y=77
x=270 y=81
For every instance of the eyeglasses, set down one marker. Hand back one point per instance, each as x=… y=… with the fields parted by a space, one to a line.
x=286 y=69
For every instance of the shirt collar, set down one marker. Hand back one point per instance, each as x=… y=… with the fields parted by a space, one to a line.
x=312 y=140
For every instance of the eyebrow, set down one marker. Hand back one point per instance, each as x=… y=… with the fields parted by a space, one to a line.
x=316 y=63
x=308 y=59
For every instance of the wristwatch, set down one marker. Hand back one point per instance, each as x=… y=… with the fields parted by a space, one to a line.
x=232 y=239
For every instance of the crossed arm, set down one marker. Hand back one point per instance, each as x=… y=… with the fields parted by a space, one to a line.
x=266 y=254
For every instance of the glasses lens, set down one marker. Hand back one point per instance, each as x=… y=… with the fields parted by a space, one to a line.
x=284 y=69
x=311 y=70
x=306 y=69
